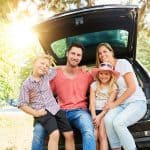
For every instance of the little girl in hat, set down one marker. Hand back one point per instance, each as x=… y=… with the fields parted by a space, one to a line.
x=102 y=90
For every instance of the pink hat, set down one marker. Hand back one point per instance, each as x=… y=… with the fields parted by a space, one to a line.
x=105 y=67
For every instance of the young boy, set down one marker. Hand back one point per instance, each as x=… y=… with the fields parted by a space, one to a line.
x=43 y=106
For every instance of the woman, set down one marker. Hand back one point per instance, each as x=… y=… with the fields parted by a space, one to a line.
x=130 y=104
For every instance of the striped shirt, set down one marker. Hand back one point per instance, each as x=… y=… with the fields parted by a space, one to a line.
x=43 y=97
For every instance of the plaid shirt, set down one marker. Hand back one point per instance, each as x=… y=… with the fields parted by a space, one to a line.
x=43 y=96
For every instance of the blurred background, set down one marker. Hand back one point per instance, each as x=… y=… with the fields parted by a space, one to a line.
x=19 y=45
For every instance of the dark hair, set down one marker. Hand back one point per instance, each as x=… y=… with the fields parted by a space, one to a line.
x=78 y=45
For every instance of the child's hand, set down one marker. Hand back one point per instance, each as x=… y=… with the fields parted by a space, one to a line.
x=39 y=113
x=95 y=122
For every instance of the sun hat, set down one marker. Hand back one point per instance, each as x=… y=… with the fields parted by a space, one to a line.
x=105 y=67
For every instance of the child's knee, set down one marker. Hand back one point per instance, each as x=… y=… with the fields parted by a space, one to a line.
x=96 y=135
x=68 y=135
x=54 y=135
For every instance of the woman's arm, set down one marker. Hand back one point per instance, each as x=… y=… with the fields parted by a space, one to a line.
x=113 y=95
x=131 y=87
x=101 y=115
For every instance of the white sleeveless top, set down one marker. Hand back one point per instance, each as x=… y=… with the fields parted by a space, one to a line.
x=101 y=96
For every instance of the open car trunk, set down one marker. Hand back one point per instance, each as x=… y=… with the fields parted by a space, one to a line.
x=114 y=24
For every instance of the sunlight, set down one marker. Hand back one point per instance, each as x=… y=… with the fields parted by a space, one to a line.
x=23 y=18
x=20 y=35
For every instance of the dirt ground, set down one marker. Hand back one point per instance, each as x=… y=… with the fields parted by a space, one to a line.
x=16 y=131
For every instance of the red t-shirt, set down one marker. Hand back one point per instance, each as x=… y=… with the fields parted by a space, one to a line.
x=72 y=93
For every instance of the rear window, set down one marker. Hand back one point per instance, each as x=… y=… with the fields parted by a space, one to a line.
x=117 y=38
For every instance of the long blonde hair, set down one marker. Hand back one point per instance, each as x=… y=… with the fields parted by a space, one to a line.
x=108 y=46
x=110 y=84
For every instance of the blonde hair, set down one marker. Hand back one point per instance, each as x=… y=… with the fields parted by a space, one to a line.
x=108 y=46
x=110 y=85
x=45 y=56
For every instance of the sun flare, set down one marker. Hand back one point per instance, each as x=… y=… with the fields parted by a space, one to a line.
x=20 y=35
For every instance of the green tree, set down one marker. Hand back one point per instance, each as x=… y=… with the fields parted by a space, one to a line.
x=13 y=69
x=143 y=42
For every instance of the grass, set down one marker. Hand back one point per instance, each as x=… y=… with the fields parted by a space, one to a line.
x=16 y=130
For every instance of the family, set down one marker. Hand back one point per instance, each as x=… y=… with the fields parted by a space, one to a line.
x=116 y=101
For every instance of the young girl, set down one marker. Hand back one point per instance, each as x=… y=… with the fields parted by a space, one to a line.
x=102 y=90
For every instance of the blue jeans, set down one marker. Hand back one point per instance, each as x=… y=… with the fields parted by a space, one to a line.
x=78 y=118
x=81 y=120
x=39 y=136
x=118 y=119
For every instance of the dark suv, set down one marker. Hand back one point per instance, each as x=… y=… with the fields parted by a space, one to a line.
x=115 y=24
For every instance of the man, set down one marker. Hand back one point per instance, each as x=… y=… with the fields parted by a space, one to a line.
x=71 y=85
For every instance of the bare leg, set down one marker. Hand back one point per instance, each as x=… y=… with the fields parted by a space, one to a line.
x=102 y=137
x=69 y=140
x=96 y=138
x=53 y=140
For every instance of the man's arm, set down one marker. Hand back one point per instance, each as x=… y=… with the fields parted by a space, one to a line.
x=92 y=103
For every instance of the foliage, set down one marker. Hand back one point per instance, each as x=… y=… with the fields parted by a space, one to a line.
x=143 y=11
x=59 y=48
x=6 y=67
x=6 y=6
x=13 y=69
x=64 y=5
x=143 y=49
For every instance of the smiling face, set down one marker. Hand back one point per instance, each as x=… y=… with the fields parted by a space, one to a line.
x=41 y=66
x=104 y=76
x=74 y=56
x=104 y=53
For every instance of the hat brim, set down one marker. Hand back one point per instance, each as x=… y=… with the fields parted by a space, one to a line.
x=95 y=71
